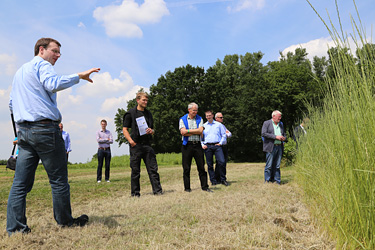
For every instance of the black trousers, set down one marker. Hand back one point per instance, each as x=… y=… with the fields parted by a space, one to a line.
x=145 y=152
x=188 y=152
x=103 y=154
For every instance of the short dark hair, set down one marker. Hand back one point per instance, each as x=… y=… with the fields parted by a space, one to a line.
x=209 y=111
x=44 y=42
x=103 y=121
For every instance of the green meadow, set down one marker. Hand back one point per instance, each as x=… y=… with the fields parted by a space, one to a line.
x=248 y=214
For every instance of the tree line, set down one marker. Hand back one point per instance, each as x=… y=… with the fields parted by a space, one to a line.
x=244 y=90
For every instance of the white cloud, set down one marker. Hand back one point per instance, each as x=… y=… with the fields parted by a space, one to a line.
x=103 y=85
x=81 y=25
x=66 y=99
x=317 y=47
x=4 y=100
x=113 y=103
x=247 y=5
x=7 y=64
x=124 y=20
x=77 y=125
x=191 y=3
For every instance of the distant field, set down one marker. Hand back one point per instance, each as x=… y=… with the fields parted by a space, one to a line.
x=246 y=215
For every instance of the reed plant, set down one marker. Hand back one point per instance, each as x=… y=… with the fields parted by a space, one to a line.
x=336 y=157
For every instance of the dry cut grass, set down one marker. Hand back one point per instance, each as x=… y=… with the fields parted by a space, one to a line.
x=246 y=215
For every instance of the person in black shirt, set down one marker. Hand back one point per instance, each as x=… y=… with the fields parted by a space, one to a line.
x=139 y=140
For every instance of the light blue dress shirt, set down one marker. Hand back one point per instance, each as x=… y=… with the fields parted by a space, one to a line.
x=33 y=96
x=66 y=137
x=214 y=133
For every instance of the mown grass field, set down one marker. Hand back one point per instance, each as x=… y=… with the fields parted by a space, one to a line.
x=248 y=214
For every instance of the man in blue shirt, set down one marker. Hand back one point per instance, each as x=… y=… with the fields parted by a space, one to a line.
x=33 y=104
x=214 y=137
x=274 y=135
x=66 y=139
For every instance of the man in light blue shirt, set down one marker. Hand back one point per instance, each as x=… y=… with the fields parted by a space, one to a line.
x=66 y=138
x=213 y=138
x=33 y=104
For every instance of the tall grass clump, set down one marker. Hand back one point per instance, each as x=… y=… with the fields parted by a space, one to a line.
x=336 y=157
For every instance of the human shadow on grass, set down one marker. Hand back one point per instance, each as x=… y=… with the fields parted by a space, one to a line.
x=108 y=221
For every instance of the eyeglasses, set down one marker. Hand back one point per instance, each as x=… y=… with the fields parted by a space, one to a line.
x=56 y=52
x=220 y=117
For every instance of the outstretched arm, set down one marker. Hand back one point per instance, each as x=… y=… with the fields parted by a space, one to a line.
x=85 y=75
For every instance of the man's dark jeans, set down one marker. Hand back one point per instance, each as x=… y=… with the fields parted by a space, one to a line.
x=103 y=153
x=37 y=141
x=217 y=174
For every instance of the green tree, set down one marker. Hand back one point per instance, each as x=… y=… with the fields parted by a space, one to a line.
x=240 y=87
x=292 y=83
x=170 y=98
x=119 y=118
x=320 y=65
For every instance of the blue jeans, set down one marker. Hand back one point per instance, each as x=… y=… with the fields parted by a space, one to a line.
x=39 y=142
x=101 y=155
x=224 y=169
x=272 y=169
x=217 y=175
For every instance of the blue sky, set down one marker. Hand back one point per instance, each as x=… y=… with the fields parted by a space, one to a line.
x=134 y=42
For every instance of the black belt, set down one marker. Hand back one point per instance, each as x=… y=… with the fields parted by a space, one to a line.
x=277 y=144
x=212 y=143
x=45 y=121
x=193 y=142
x=105 y=148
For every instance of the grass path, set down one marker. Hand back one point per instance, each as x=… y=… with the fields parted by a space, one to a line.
x=248 y=214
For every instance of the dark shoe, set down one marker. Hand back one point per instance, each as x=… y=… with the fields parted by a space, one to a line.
x=26 y=230
x=188 y=190
x=213 y=184
x=159 y=193
x=80 y=221
x=208 y=190
x=225 y=183
x=137 y=194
